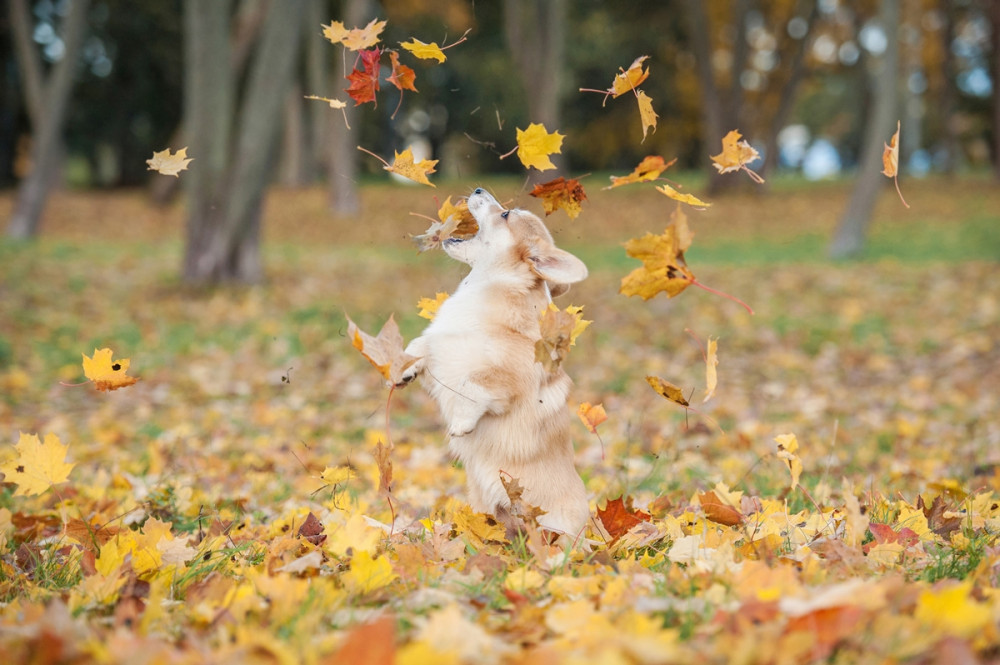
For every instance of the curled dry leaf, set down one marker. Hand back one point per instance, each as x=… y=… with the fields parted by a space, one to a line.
x=788 y=445
x=890 y=162
x=334 y=104
x=384 y=351
x=561 y=194
x=646 y=113
x=629 y=79
x=668 y=390
x=718 y=511
x=167 y=164
x=592 y=415
x=559 y=330
x=648 y=169
x=711 y=371
x=455 y=222
x=664 y=269
x=106 y=373
x=689 y=199
x=424 y=51
x=735 y=156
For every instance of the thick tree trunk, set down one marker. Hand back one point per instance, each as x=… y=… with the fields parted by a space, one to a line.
x=994 y=10
x=343 y=158
x=48 y=125
x=536 y=39
x=849 y=237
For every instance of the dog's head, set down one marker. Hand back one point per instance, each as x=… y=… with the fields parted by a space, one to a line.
x=514 y=243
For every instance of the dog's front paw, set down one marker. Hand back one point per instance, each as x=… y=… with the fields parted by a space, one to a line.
x=410 y=373
x=462 y=426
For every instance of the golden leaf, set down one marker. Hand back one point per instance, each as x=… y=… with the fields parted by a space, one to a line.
x=38 y=466
x=424 y=51
x=105 y=373
x=689 y=199
x=649 y=168
x=535 y=144
x=404 y=165
x=667 y=390
x=167 y=164
x=711 y=372
x=629 y=79
x=356 y=38
x=592 y=415
x=664 y=269
x=646 y=113
x=429 y=306
x=735 y=156
x=559 y=194
x=788 y=444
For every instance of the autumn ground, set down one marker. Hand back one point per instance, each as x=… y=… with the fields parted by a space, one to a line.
x=183 y=532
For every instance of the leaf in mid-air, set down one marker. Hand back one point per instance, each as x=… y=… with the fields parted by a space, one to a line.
x=354 y=39
x=559 y=194
x=559 y=330
x=629 y=79
x=429 y=306
x=535 y=144
x=736 y=154
x=646 y=113
x=402 y=77
x=169 y=164
x=592 y=415
x=689 y=199
x=649 y=168
x=404 y=165
x=424 y=51
x=890 y=162
x=365 y=81
x=384 y=351
x=663 y=269
x=711 y=368
x=106 y=373
x=38 y=466
x=667 y=390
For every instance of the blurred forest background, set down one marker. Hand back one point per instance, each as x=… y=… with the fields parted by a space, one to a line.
x=89 y=89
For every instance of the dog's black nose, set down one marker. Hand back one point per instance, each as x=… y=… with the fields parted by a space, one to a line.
x=478 y=190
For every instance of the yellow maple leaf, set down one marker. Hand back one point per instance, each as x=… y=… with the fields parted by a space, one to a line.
x=107 y=374
x=592 y=415
x=953 y=611
x=664 y=269
x=559 y=330
x=367 y=574
x=169 y=164
x=788 y=444
x=668 y=390
x=38 y=466
x=649 y=168
x=424 y=51
x=711 y=372
x=689 y=199
x=735 y=155
x=429 y=306
x=646 y=113
x=535 y=144
x=404 y=165
x=354 y=39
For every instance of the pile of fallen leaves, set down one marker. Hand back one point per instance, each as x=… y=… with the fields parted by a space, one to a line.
x=838 y=500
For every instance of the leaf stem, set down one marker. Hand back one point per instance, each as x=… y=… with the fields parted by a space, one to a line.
x=695 y=282
x=373 y=154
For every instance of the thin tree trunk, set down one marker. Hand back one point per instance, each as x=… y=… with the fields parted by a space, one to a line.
x=47 y=141
x=343 y=158
x=231 y=252
x=949 y=94
x=28 y=61
x=789 y=91
x=316 y=76
x=849 y=237
x=536 y=39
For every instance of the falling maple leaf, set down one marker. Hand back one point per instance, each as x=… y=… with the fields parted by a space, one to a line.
x=384 y=351
x=559 y=194
x=429 y=306
x=354 y=39
x=618 y=518
x=38 y=466
x=668 y=390
x=735 y=156
x=646 y=113
x=365 y=81
x=648 y=169
x=788 y=445
x=424 y=51
x=711 y=368
x=559 y=330
x=629 y=79
x=167 y=164
x=592 y=415
x=455 y=222
x=334 y=104
x=107 y=374
x=402 y=77
x=664 y=269
x=535 y=144
x=689 y=199
x=404 y=165
x=890 y=162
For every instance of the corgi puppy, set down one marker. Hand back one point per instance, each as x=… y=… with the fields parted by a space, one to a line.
x=505 y=412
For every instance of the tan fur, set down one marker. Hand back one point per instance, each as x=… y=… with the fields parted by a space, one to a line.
x=505 y=413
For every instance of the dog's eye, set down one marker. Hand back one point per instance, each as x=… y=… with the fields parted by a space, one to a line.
x=505 y=213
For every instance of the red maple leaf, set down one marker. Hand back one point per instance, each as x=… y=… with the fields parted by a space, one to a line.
x=364 y=81
x=618 y=518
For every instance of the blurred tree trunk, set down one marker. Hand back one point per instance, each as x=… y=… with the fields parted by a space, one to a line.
x=949 y=94
x=994 y=10
x=47 y=103
x=536 y=38
x=722 y=110
x=316 y=77
x=849 y=237
x=343 y=170
x=789 y=90
x=232 y=160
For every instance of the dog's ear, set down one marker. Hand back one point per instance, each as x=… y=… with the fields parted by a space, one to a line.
x=556 y=266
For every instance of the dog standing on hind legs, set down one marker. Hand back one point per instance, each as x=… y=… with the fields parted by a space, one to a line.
x=505 y=412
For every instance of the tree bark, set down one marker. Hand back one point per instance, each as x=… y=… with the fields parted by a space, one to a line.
x=994 y=10
x=343 y=158
x=850 y=235
x=224 y=227
x=28 y=61
x=47 y=141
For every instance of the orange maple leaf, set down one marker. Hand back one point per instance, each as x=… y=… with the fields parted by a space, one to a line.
x=365 y=81
x=402 y=77
x=592 y=415
x=559 y=194
x=618 y=518
x=717 y=511
x=629 y=79
x=735 y=156
x=649 y=168
x=384 y=351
